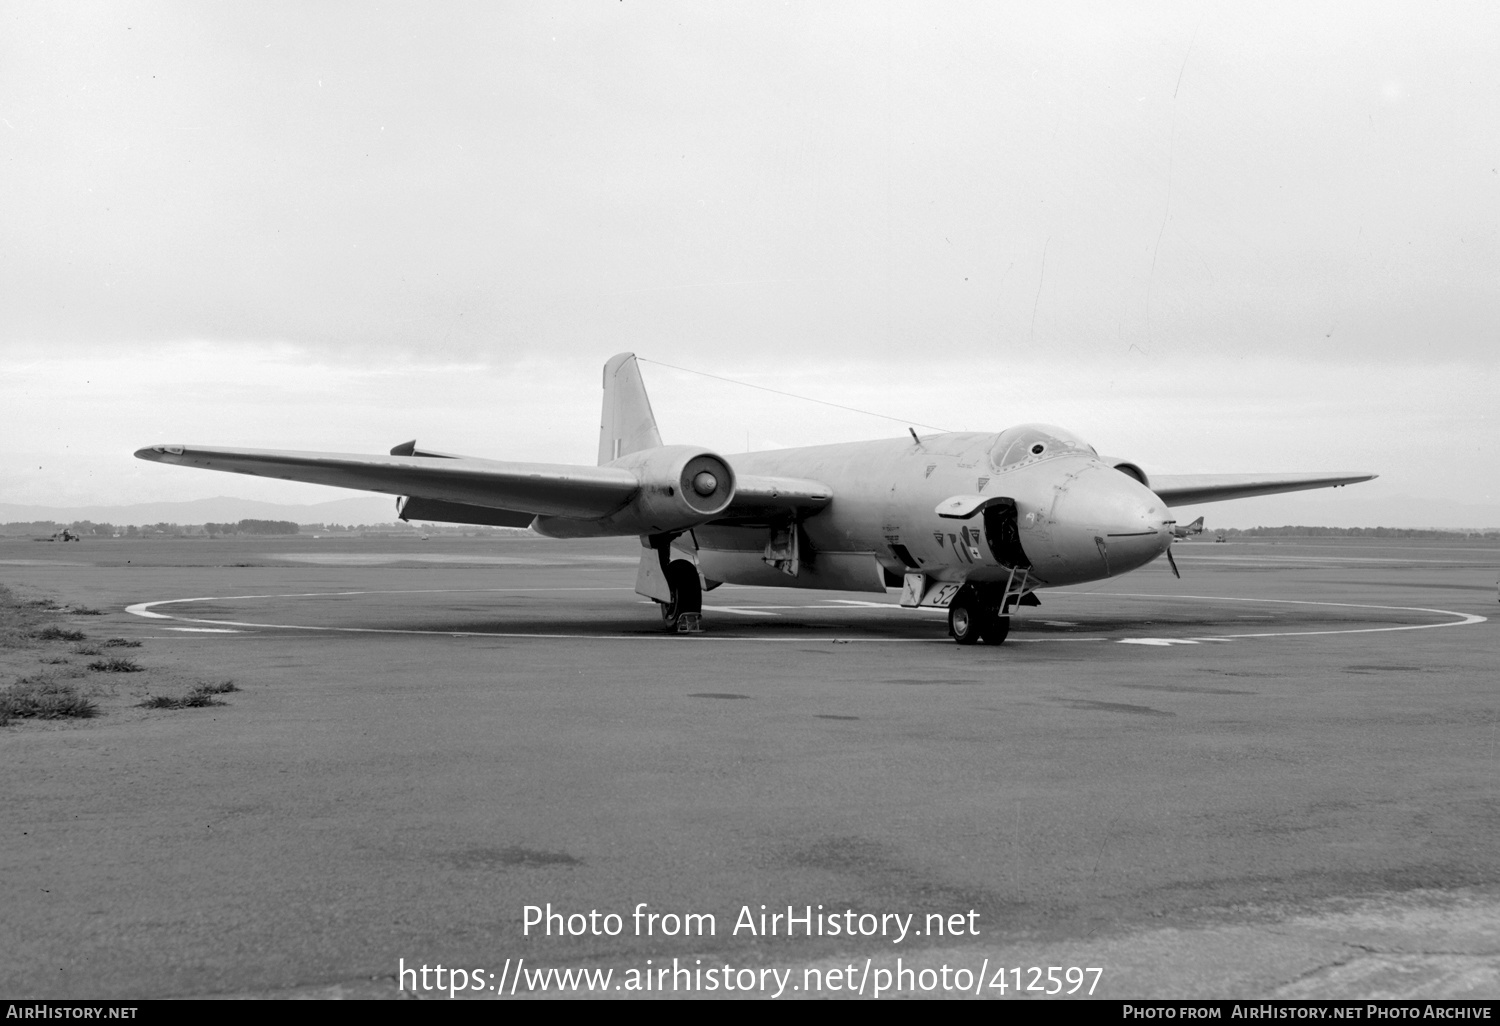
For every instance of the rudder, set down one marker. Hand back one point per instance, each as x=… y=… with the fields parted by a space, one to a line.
x=626 y=424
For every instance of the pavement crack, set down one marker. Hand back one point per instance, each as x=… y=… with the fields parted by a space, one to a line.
x=1314 y=971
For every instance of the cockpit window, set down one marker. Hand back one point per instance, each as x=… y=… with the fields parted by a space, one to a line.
x=1027 y=443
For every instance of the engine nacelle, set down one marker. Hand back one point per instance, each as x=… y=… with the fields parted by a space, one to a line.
x=681 y=486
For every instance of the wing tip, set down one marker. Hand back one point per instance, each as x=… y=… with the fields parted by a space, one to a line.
x=159 y=453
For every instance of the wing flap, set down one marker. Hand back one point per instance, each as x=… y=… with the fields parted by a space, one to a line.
x=548 y=489
x=417 y=508
x=1187 y=489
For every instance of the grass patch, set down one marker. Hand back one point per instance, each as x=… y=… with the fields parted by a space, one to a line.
x=202 y=695
x=192 y=700
x=43 y=698
x=87 y=650
x=56 y=661
x=52 y=632
x=17 y=620
x=116 y=666
x=117 y=643
x=84 y=611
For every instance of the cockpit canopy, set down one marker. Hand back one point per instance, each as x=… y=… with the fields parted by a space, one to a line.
x=1028 y=443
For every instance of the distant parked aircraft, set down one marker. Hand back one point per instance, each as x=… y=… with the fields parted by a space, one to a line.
x=974 y=522
x=1187 y=530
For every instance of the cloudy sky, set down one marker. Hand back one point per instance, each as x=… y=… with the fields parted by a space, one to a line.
x=1209 y=237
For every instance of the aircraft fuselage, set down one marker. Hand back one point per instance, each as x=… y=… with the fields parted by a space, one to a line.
x=1076 y=518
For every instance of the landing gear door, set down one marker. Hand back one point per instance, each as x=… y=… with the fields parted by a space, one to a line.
x=651 y=577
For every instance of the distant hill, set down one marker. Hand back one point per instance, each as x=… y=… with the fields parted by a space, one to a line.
x=1346 y=508
x=374 y=509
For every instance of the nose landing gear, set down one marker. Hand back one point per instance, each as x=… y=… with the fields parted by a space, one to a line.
x=983 y=613
x=970 y=620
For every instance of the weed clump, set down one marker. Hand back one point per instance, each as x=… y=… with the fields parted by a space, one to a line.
x=55 y=633
x=201 y=695
x=44 y=698
x=87 y=650
x=85 y=611
x=116 y=666
x=117 y=643
x=192 y=700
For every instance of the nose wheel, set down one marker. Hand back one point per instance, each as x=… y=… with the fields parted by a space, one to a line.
x=997 y=629
x=970 y=621
x=965 y=619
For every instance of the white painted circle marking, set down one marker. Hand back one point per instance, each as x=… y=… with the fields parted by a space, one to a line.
x=1464 y=619
x=145 y=609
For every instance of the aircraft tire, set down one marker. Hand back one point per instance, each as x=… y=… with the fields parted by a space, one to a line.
x=965 y=619
x=996 y=628
x=687 y=592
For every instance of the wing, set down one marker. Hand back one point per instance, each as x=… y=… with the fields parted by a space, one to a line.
x=1187 y=489
x=466 y=490
x=548 y=489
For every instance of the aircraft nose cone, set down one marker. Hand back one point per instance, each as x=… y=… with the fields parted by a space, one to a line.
x=1133 y=523
x=1113 y=521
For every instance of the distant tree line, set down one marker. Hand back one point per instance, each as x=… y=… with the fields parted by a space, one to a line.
x=254 y=527
x=1352 y=532
x=89 y=529
x=83 y=528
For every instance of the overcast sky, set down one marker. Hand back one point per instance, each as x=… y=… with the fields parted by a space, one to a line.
x=1209 y=237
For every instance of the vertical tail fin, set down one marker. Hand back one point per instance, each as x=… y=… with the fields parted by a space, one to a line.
x=627 y=424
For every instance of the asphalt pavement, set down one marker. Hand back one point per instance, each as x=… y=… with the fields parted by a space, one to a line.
x=1276 y=776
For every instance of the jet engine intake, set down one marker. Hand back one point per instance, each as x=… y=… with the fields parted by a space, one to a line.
x=681 y=486
x=1129 y=470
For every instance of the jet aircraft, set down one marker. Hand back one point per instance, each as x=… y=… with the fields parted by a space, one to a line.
x=974 y=522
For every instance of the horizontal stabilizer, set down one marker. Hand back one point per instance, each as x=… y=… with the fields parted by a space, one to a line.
x=536 y=488
x=1187 y=489
x=410 y=449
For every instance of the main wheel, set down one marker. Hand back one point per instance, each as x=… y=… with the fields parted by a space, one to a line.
x=996 y=628
x=965 y=619
x=687 y=592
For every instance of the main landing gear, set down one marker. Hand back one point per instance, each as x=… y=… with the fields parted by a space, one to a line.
x=684 y=613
